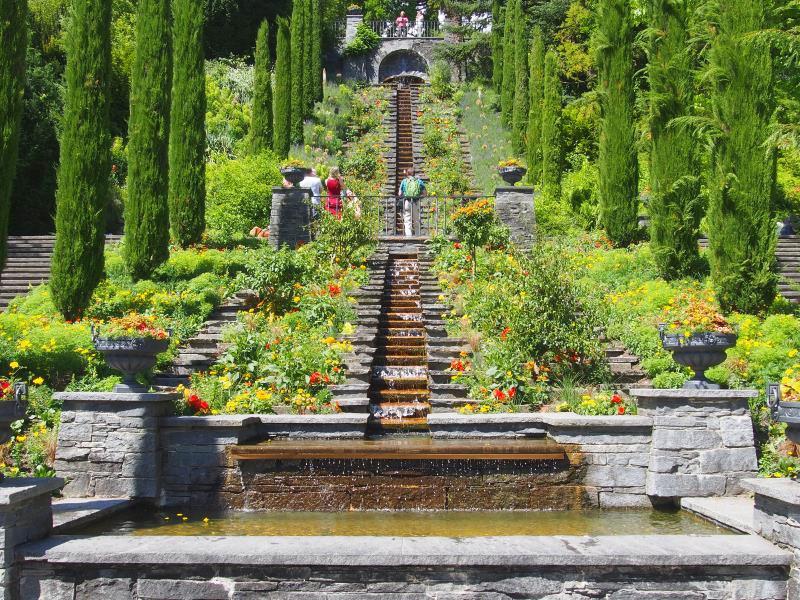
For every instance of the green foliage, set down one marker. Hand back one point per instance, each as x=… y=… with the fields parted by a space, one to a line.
x=283 y=90
x=229 y=83
x=618 y=159
x=364 y=41
x=187 y=165
x=742 y=180
x=579 y=189
x=520 y=112
x=13 y=43
x=443 y=159
x=497 y=43
x=298 y=69
x=536 y=85
x=316 y=57
x=441 y=84
x=509 y=84
x=77 y=265
x=147 y=208
x=239 y=195
x=261 y=131
x=676 y=206
x=552 y=159
x=350 y=238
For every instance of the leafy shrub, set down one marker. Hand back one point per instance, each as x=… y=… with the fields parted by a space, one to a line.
x=441 y=76
x=239 y=195
x=364 y=41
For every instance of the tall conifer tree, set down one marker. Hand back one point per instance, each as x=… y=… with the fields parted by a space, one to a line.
x=316 y=59
x=308 y=55
x=536 y=86
x=508 y=87
x=618 y=160
x=261 y=127
x=187 y=146
x=497 y=44
x=675 y=203
x=83 y=174
x=146 y=209
x=283 y=89
x=741 y=230
x=298 y=70
x=519 y=119
x=551 y=129
x=13 y=44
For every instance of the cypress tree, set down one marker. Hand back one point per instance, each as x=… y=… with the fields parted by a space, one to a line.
x=742 y=181
x=297 y=72
x=536 y=86
x=187 y=146
x=551 y=129
x=508 y=87
x=675 y=204
x=283 y=82
x=308 y=55
x=316 y=59
x=617 y=161
x=520 y=114
x=497 y=44
x=82 y=195
x=261 y=131
x=13 y=44
x=146 y=209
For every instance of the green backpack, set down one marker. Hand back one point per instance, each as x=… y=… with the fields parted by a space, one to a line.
x=413 y=188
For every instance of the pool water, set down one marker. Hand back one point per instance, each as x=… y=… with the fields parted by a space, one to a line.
x=149 y=521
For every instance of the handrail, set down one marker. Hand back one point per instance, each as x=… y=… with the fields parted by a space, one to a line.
x=390 y=30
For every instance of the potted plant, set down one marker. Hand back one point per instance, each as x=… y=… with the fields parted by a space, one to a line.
x=511 y=171
x=699 y=338
x=13 y=404
x=783 y=398
x=293 y=171
x=130 y=345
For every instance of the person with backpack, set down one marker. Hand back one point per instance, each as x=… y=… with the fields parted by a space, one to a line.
x=412 y=188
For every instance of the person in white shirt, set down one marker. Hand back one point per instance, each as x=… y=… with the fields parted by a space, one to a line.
x=312 y=182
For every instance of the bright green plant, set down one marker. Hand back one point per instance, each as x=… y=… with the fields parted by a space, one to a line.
x=472 y=225
x=364 y=41
x=519 y=115
x=261 y=131
x=83 y=175
x=536 y=93
x=551 y=130
x=147 y=208
x=187 y=146
x=283 y=89
x=298 y=69
x=508 y=87
x=618 y=157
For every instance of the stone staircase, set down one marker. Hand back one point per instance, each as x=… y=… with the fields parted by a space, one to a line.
x=202 y=351
x=626 y=373
x=28 y=264
x=788 y=256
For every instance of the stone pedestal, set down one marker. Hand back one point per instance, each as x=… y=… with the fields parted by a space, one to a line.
x=108 y=444
x=353 y=20
x=703 y=442
x=25 y=515
x=290 y=220
x=516 y=210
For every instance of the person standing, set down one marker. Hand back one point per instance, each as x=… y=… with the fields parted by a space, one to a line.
x=412 y=188
x=312 y=182
x=334 y=185
x=401 y=23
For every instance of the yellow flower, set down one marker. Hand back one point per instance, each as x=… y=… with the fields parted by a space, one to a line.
x=21 y=438
x=38 y=381
x=24 y=344
x=296 y=299
x=792 y=353
x=14 y=364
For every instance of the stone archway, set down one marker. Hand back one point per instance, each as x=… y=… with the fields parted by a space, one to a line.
x=402 y=64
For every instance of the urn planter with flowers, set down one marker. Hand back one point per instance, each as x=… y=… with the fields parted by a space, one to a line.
x=511 y=171
x=130 y=345
x=293 y=171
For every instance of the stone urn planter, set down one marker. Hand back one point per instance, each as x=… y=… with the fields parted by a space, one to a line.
x=293 y=175
x=512 y=175
x=699 y=352
x=10 y=410
x=130 y=356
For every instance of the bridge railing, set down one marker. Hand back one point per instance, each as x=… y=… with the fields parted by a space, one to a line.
x=390 y=30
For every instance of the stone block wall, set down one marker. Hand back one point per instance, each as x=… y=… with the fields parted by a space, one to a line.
x=515 y=209
x=703 y=442
x=290 y=217
x=108 y=443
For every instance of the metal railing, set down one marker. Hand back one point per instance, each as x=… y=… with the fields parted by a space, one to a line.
x=390 y=30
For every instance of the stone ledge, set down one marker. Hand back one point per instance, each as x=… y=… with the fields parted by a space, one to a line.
x=332 y=419
x=575 y=420
x=210 y=422
x=16 y=490
x=111 y=397
x=649 y=551
x=75 y=512
x=735 y=512
x=723 y=395
x=783 y=490
x=541 y=420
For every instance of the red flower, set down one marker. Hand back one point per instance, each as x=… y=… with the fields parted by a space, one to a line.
x=499 y=394
x=315 y=378
x=457 y=365
x=512 y=392
x=457 y=245
x=615 y=399
x=334 y=290
x=505 y=333
x=326 y=379
x=203 y=405
x=620 y=410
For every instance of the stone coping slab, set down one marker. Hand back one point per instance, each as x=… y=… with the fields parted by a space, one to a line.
x=688 y=393
x=649 y=551
x=211 y=421
x=73 y=512
x=735 y=512
x=553 y=419
x=14 y=490
x=115 y=397
x=245 y=420
x=782 y=489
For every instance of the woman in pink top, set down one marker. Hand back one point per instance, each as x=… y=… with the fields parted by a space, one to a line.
x=402 y=24
x=333 y=203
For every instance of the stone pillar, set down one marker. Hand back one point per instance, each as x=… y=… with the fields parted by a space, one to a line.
x=26 y=515
x=354 y=18
x=516 y=210
x=703 y=442
x=108 y=443
x=290 y=220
